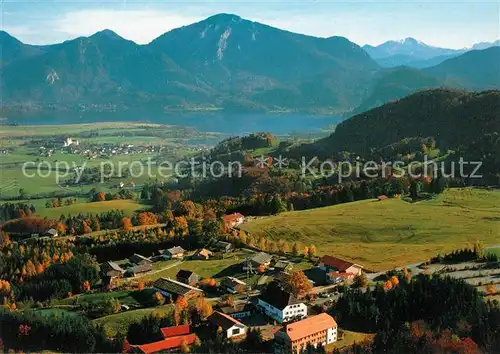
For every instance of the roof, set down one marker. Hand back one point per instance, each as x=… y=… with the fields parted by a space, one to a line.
x=277 y=297
x=173 y=286
x=231 y=282
x=337 y=263
x=240 y=307
x=184 y=274
x=176 y=250
x=283 y=264
x=262 y=258
x=107 y=266
x=224 y=321
x=51 y=231
x=167 y=344
x=309 y=326
x=223 y=244
x=232 y=217
x=341 y=275
x=205 y=252
x=141 y=268
x=136 y=258
x=175 y=331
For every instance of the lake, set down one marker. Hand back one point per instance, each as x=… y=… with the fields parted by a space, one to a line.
x=229 y=123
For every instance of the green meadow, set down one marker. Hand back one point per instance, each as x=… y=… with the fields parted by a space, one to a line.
x=383 y=234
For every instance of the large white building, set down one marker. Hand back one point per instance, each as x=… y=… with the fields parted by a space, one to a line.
x=280 y=305
x=317 y=331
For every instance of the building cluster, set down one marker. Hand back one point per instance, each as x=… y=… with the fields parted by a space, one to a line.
x=299 y=329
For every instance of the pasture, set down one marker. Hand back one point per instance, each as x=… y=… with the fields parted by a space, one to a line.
x=381 y=235
x=128 y=207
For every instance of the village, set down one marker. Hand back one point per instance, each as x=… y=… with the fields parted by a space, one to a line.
x=252 y=294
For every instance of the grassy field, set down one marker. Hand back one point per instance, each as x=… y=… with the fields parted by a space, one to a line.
x=495 y=250
x=206 y=269
x=128 y=206
x=349 y=339
x=119 y=322
x=383 y=234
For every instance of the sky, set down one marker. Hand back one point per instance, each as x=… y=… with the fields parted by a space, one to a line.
x=445 y=23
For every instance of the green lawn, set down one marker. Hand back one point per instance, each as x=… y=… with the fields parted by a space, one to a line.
x=348 y=339
x=118 y=323
x=213 y=268
x=126 y=297
x=383 y=234
x=128 y=206
x=495 y=250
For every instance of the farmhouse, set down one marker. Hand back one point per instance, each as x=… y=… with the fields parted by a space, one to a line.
x=259 y=259
x=173 y=338
x=51 y=233
x=139 y=259
x=233 y=220
x=231 y=327
x=295 y=337
x=240 y=310
x=283 y=266
x=139 y=269
x=111 y=269
x=280 y=305
x=173 y=288
x=336 y=264
x=204 y=254
x=232 y=285
x=175 y=252
x=187 y=277
x=223 y=246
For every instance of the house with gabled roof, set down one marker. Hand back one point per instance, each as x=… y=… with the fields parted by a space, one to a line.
x=231 y=327
x=175 y=252
x=259 y=259
x=281 y=305
x=139 y=259
x=173 y=339
x=338 y=269
x=318 y=330
x=187 y=277
x=172 y=289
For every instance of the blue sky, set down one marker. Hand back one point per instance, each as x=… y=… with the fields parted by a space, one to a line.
x=452 y=24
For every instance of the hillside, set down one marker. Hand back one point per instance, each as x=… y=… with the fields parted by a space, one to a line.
x=223 y=61
x=474 y=70
x=227 y=63
x=382 y=235
x=453 y=118
x=391 y=84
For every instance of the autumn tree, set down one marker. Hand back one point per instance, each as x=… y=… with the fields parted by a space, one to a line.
x=360 y=281
x=203 y=307
x=261 y=269
x=100 y=197
x=86 y=286
x=295 y=249
x=140 y=285
x=158 y=298
x=126 y=224
x=181 y=310
x=394 y=281
x=491 y=289
x=312 y=251
x=297 y=283
x=184 y=347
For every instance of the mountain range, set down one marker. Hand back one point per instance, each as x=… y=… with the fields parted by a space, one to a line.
x=417 y=54
x=224 y=62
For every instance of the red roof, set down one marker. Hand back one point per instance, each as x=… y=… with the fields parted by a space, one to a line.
x=175 y=331
x=342 y=275
x=310 y=326
x=167 y=344
x=232 y=217
x=336 y=263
